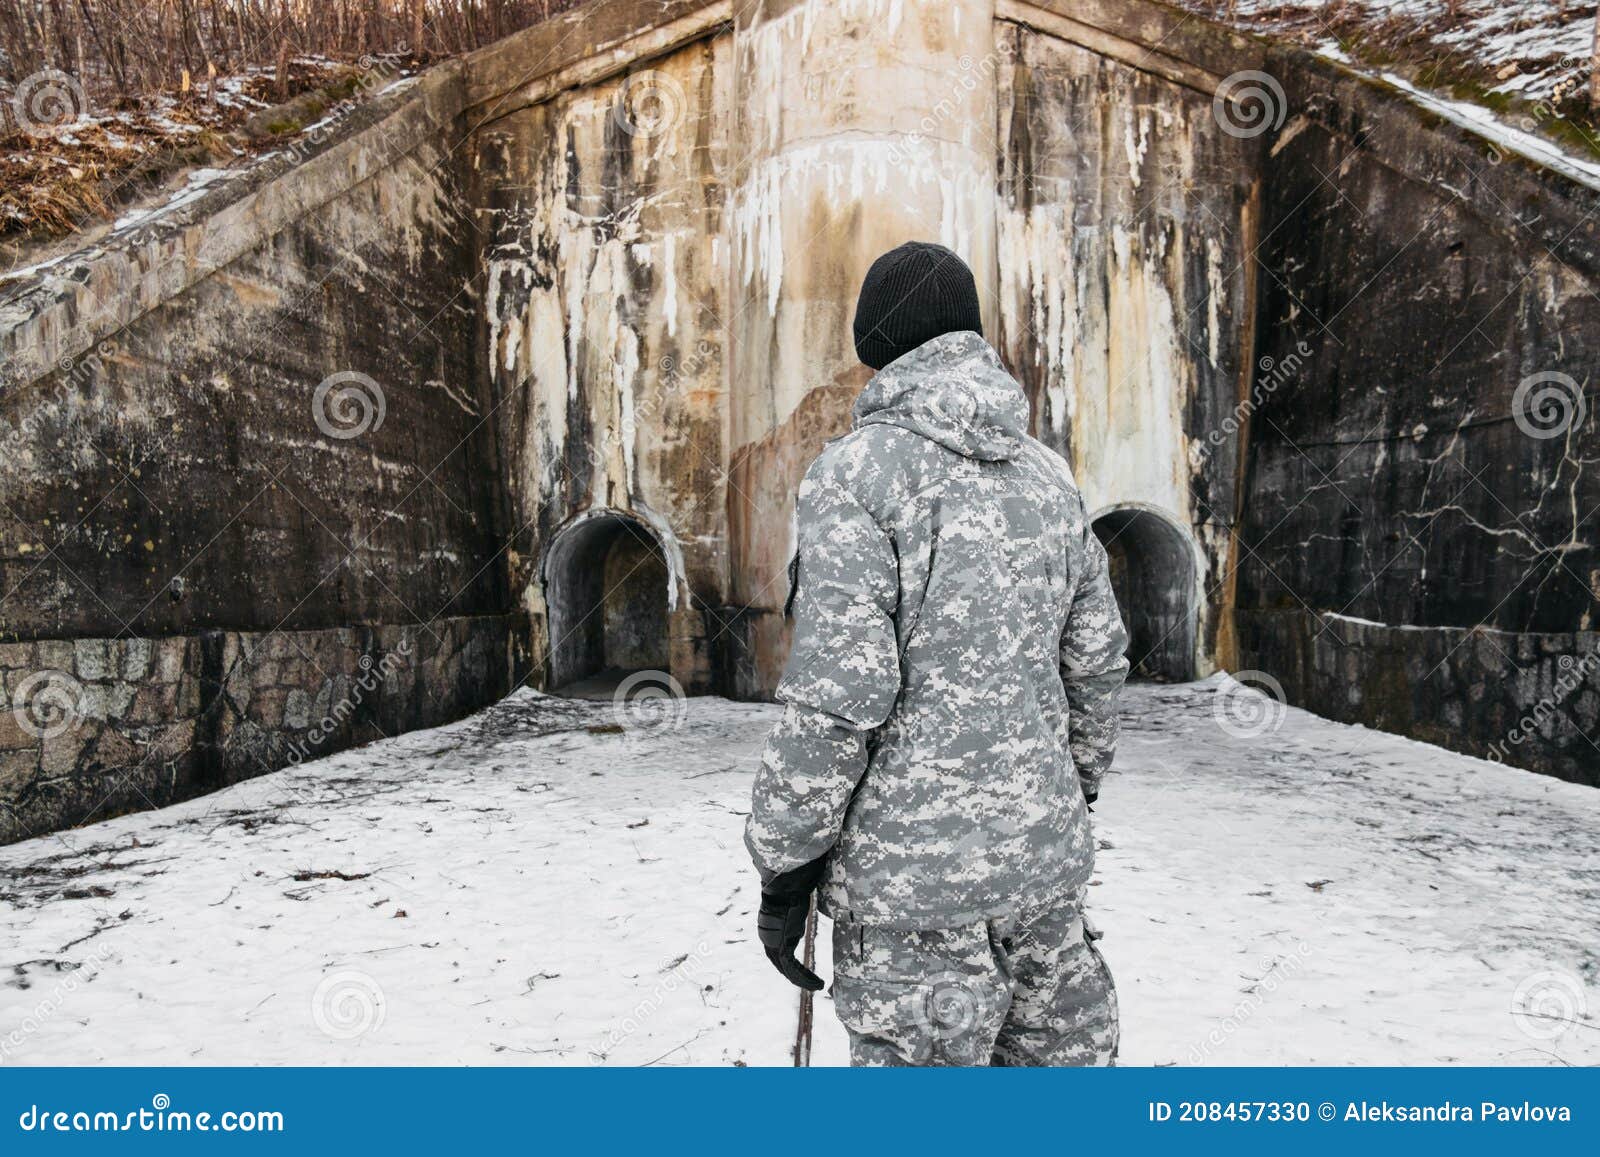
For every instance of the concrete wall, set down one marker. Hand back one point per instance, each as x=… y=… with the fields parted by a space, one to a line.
x=256 y=508
x=606 y=268
x=1127 y=218
x=604 y=271
x=1420 y=537
x=859 y=125
x=211 y=537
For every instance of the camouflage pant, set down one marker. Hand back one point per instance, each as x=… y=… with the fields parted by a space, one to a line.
x=1029 y=989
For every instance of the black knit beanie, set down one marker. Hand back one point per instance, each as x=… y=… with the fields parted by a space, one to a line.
x=912 y=294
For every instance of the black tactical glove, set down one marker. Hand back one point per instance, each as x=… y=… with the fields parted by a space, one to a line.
x=781 y=924
x=1090 y=795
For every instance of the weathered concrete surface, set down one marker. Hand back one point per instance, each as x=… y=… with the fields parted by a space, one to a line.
x=602 y=275
x=313 y=512
x=64 y=310
x=606 y=268
x=859 y=126
x=1398 y=478
x=1127 y=220
x=206 y=533
x=173 y=481
x=149 y=722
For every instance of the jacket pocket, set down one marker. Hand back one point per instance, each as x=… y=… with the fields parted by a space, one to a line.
x=794 y=584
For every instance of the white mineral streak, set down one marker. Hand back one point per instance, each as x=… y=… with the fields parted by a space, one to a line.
x=845 y=171
x=427 y=209
x=626 y=364
x=671 y=548
x=1216 y=290
x=757 y=223
x=669 y=283
x=1034 y=250
x=885 y=13
x=458 y=397
x=1136 y=147
x=507 y=264
x=577 y=257
x=1129 y=443
x=763 y=51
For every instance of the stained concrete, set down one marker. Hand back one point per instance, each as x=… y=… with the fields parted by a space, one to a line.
x=605 y=269
x=1420 y=553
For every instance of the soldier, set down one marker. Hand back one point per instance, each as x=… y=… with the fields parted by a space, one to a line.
x=950 y=706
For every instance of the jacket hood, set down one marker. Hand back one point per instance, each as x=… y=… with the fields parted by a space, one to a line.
x=954 y=391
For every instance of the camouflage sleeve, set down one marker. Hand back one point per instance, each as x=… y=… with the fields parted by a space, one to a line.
x=1093 y=666
x=841 y=681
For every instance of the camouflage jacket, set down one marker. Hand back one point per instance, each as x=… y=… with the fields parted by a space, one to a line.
x=956 y=663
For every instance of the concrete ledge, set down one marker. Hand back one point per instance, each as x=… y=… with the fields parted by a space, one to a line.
x=1505 y=187
x=582 y=47
x=1147 y=37
x=1452 y=686
x=1155 y=28
x=1509 y=191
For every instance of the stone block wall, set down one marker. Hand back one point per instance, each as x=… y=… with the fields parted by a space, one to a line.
x=92 y=728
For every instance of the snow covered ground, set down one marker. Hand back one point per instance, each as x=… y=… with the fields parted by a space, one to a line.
x=533 y=885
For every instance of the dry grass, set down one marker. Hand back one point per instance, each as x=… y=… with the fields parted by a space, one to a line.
x=81 y=173
x=170 y=84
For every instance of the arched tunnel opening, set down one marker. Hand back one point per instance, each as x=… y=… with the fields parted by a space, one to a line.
x=606 y=581
x=1153 y=575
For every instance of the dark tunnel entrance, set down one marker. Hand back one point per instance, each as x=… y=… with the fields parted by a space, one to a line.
x=606 y=580
x=1153 y=574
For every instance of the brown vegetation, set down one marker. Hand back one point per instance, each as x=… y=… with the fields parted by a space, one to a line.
x=103 y=101
x=123 y=48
